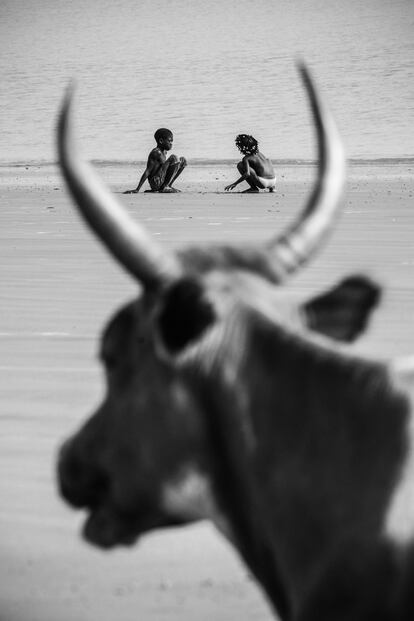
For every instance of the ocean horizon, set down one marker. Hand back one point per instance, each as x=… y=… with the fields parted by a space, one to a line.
x=207 y=71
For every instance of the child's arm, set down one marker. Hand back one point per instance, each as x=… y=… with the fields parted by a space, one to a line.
x=144 y=177
x=152 y=165
x=245 y=164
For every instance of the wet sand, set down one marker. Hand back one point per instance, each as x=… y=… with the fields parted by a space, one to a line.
x=58 y=287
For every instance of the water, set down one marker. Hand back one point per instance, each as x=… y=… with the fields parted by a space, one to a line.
x=207 y=70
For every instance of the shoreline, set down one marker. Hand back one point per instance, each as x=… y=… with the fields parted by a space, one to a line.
x=202 y=176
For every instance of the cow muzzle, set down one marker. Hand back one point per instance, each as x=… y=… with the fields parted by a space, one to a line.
x=80 y=484
x=84 y=486
x=110 y=520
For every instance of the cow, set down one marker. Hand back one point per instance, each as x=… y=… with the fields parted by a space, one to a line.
x=225 y=402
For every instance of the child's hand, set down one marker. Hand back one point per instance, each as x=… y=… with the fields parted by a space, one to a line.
x=230 y=187
x=130 y=192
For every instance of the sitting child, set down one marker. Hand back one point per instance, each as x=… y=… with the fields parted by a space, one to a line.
x=254 y=168
x=161 y=171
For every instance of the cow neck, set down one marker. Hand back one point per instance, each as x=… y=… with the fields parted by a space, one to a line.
x=234 y=485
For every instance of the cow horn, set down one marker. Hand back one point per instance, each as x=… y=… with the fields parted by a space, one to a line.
x=128 y=241
x=306 y=235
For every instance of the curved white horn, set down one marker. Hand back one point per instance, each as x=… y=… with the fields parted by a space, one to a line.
x=306 y=235
x=128 y=241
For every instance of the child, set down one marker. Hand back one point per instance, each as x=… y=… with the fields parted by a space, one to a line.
x=161 y=171
x=254 y=168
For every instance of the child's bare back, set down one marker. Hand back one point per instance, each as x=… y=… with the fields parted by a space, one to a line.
x=261 y=164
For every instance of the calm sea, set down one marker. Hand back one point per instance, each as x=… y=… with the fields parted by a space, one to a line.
x=207 y=70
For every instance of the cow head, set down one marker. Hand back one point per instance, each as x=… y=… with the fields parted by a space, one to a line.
x=161 y=449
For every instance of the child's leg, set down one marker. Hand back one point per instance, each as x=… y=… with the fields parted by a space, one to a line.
x=160 y=181
x=251 y=179
x=175 y=167
x=182 y=163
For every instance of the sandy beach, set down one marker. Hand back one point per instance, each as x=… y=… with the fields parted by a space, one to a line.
x=58 y=287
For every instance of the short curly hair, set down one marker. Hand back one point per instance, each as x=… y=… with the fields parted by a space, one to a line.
x=247 y=144
x=162 y=133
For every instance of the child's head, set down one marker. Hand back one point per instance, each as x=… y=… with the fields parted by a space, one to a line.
x=164 y=137
x=247 y=144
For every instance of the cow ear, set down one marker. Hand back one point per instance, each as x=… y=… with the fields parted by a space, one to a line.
x=185 y=315
x=343 y=313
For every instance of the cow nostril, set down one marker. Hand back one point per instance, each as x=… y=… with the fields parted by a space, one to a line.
x=80 y=484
